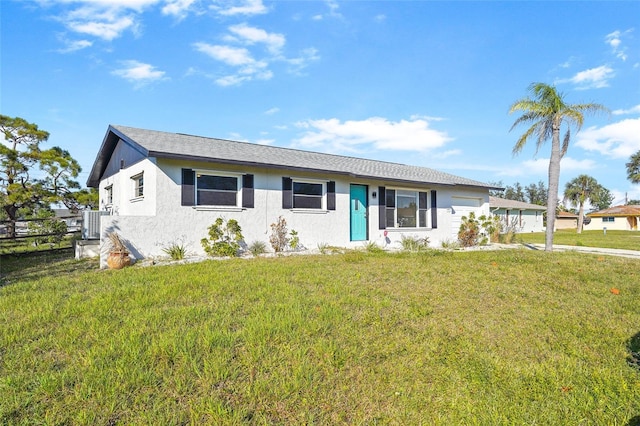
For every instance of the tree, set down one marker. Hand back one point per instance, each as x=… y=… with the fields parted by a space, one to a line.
x=603 y=199
x=546 y=111
x=536 y=193
x=633 y=168
x=514 y=192
x=20 y=153
x=580 y=190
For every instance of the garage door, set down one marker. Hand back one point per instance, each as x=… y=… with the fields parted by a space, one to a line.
x=462 y=206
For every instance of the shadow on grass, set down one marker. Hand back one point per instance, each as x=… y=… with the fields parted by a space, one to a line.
x=33 y=266
x=634 y=351
x=634 y=361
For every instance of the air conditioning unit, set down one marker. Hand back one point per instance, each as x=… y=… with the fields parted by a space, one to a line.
x=91 y=224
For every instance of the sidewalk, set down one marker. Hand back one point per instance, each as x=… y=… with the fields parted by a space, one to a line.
x=632 y=254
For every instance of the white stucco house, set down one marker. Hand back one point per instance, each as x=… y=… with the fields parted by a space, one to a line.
x=624 y=218
x=160 y=188
x=520 y=216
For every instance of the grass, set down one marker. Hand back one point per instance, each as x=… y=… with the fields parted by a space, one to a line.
x=628 y=240
x=504 y=337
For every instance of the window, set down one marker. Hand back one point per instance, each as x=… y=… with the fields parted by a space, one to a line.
x=108 y=195
x=307 y=195
x=609 y=219
x=405 y=209
x=138 y=185
x=215 y=190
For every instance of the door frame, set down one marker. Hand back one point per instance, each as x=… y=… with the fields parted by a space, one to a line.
x=366 y=211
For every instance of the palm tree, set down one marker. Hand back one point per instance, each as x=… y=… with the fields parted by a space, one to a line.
x=546 y=113
x=580 y=190
x=633 y=168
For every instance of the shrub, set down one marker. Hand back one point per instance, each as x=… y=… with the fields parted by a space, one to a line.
x=224 y=238
x=323 y=248
x=471 y=232
x=414 y=244
x=372 y=247
x=177 y=251
x=294 y=241
x=257 y=248
x=280 y=237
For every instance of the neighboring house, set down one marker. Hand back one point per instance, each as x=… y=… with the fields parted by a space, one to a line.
x=624 y=218
x=72 y=219
x=520 y=216
x=566 y=220
x=163 y=188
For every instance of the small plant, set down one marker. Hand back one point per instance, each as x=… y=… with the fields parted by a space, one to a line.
x=372 y=247
x=257 y=248
x=116 y=245
x=279 y=235
x=294 y=241
x=471 y=231
x=450 y=244
x=323 y=248
x=224 y=238
x=177 y=251
x=414 y=244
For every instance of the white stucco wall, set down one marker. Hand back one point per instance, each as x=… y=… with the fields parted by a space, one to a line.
x=619 y=223
x=159 y=219
x=523 y=221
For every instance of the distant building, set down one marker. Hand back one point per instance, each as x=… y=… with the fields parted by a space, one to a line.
x=624 y=218
x=521 y=216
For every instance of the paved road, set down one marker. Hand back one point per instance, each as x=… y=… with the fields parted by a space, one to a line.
x=632 y=254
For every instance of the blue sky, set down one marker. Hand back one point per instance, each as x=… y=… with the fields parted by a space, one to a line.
x=427 y=83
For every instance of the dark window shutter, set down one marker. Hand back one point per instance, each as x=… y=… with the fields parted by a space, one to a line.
x=382 y=210
x=331 y=195
x=287 y=193
x=422 y=209
x=188 y=187
x=434 y=210
x=247 y=191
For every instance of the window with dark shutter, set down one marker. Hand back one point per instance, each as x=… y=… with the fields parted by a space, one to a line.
x=390 y=202
x=287 y=193
x=382 y=212
x=331 y=195
x=188 y=187
x=214 y=190
x=422 y=209
x=247 y=191
x=434 y=210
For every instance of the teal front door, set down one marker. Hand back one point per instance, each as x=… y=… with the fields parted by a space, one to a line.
x=358 y=213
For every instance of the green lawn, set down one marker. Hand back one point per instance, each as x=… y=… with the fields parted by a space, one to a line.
x=488 y=337
x=628 y=240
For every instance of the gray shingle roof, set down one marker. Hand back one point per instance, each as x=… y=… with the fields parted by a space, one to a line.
x=181 y=146
x=513 y=204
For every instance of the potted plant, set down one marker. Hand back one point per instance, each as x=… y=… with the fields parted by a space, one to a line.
x=118 y=254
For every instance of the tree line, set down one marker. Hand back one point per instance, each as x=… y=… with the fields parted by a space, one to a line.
x=22 y=195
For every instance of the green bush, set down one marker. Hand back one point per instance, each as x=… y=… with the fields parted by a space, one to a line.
x=177 y=251
x=414 y=244
x=224 y=238
x=257 y=248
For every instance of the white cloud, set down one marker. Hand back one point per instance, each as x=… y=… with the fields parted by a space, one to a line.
x=75 y=45
x=373 y=133
x=296 y=65
x=616 y=140
x=178 y=8
x=251 y=35
x=139 y=73
x=247 y=7
x=272 y=111
x=265 y=141
x=235 y=56
x=614 y=40
x=594 y=78
x=632 y=110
